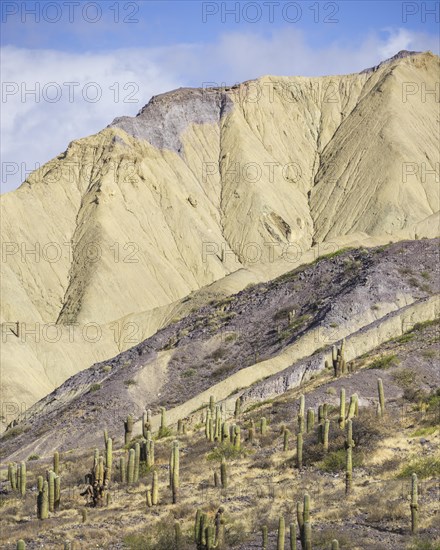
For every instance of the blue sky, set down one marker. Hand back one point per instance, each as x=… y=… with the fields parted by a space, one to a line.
x=128 y=51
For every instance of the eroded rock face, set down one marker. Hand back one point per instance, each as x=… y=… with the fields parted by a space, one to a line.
x=163 y=120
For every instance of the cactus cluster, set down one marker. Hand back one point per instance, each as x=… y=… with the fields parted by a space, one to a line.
x=303 y=517
x=208 y=535
x=17 y=477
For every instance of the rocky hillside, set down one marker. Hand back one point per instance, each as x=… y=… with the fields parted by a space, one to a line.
x=280 y=331
x=202 y=185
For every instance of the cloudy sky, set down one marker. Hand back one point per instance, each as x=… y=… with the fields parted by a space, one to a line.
x=69 y=68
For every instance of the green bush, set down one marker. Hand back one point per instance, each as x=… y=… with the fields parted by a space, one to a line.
x=335 y=461
x=95 y=387
x=425 y=467
x=384 y=362
x=225 y=450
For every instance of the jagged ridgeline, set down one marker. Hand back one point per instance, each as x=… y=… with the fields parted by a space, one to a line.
x=227 y=186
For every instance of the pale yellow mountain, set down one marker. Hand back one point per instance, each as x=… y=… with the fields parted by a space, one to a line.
x=202 y=185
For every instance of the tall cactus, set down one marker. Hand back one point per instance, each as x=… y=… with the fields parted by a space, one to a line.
x=292 y=536
x=263 y=425
x=21 y=545
x=128 y=428
x=39 y=483
x=43 y=501
x=150 y=453
x=325 y=434
x=353 y=406
x=51 y=482
x=131 y=466
x=22 y=479
x=281 y=534
x=349 y=441
x=307 y=535
x=212 y=404
x=310 y=420
x=109 y=456
x=299 y=451
x=146 y=423
x=414 y=505
x=56 y=462
x=57 y=493
x=137 y=457
x=381 y=396
x=286 y=440
x=264 y=537
x=237 y=410
x=174 y=471
x=301 y=413
x=335 y=544
x=342 y=409
x=348 y=470
x=12 y=475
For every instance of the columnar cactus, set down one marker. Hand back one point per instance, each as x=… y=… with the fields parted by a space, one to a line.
x=174 y=471
x=335 y=544
x=325 y=434
x=163 y=423
x=342 y=409
x=149 y=498
x=39 y=483
x=348 y=470
x=301 y=413
x=353 y=406
x=197 y=526
x=292 y=536
x=286 y=440
x=414 y=504
x=150 y=453
x=224 y=474
x=263 y=425
x=122 y=470
x=128 y=428
x=381 y=396
x=146 y=423
x=56 y=462
x=12 y=475
x=43 y=502
x=57 y=489
x=237 y=410
x=225 y=431
x=264 y=537
x=307 y=535
x=281 y=534
x=137 y=457
x=105 y=436
x=217 y=424
x=155 y=489
x=22 y=479
x=310 y=420
x=21 y=545
x=349 y=441
x=100 y=476
x=109 y=456
x=131 y=465
x=299 y=451
x=51 y=484
x=303 y=516
x=212 y=404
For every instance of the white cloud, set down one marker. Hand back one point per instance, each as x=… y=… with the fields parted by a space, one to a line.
x=34 y=132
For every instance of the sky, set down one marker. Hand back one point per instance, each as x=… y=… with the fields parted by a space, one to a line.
x=68 y=68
